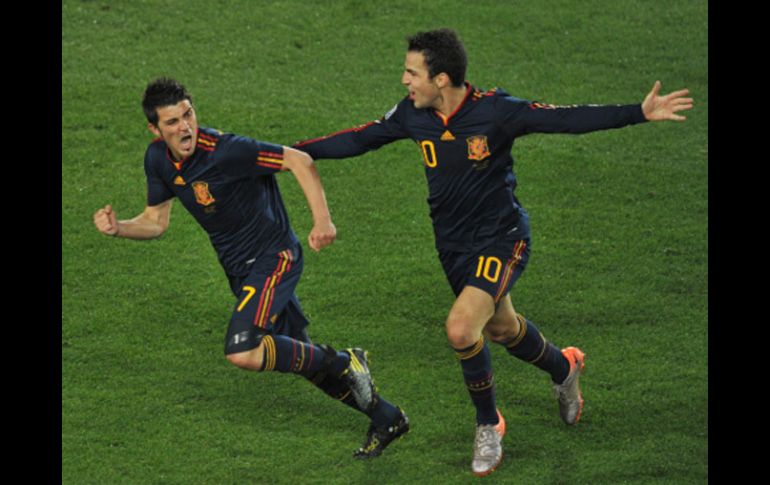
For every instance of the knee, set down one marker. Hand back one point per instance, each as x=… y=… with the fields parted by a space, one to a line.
x=249 y=360
x=460 y=333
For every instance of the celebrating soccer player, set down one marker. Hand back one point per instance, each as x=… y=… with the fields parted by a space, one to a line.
x=481 y=230
x=227 y=182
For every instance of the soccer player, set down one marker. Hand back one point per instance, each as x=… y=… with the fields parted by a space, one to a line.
x=482 y=233
x=227 y=182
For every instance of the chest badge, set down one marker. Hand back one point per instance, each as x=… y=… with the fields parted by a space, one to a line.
x=478 y=148
x=202 y=194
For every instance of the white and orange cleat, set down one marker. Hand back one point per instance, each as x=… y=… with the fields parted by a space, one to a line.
x=488 y=447
x=568 y=392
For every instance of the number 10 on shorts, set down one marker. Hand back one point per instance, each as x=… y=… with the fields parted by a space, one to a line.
x=489 y=267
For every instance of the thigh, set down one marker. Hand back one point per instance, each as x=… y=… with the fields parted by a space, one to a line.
x=469 y=314
x=266 y=302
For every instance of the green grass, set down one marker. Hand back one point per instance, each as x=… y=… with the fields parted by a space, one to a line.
x=619 y=264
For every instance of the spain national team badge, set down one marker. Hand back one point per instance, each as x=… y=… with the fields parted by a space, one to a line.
x=202 y=194
x=478 y=148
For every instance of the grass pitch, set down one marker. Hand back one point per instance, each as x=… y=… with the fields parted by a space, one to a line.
x=619 y=264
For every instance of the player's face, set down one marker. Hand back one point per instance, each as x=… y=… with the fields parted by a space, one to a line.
x=423 y=90
x=178 y=127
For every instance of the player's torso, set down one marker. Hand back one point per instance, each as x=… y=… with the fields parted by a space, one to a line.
x=469 y=170
x=215 y=199
x=467 y=142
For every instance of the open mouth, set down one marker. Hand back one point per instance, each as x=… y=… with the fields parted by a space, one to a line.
x=186 y=142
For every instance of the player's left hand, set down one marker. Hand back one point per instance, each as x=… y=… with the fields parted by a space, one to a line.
x=322 y=235
x=660 y=108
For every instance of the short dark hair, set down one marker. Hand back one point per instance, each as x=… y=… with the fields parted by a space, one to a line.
x=161 y=92
x=443 y=52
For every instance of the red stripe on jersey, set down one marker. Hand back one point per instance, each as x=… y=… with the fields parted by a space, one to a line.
x=510 y=267
x=357 y=128
x=277 y=280
x=270 y=165
x=272 y=155
x=543 y=106
x=268 y=290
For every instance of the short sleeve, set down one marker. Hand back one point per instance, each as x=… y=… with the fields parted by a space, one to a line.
x=157 y=191
x=240 y=156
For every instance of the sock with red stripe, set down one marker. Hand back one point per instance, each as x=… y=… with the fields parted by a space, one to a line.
x=285 y=354
x=476 y=363
x=530 y=346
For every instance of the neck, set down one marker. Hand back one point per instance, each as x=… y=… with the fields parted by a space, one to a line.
x=451 y=98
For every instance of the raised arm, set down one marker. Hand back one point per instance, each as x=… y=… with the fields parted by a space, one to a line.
x=662 y=108
x=150 y=224
x=301 y=165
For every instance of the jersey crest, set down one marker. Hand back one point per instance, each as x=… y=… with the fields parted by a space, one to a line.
x=202 y=194
x=478 y=148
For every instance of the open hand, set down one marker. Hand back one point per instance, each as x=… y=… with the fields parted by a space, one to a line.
x=660 y=108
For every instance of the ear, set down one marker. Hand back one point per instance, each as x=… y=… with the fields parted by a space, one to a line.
x=154 y=129
x=442 y=80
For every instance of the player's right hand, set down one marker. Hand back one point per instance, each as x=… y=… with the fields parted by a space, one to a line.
x=322 y=235
x=106 y=221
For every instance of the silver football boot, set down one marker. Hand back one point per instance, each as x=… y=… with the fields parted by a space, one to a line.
x=488 y=447
x=359 y=379
x=568 y=392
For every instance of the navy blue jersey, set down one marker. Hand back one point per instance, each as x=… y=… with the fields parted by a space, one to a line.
x=467 y=156
x=229 y=187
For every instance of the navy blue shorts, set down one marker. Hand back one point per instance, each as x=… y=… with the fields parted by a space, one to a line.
x=493 y=269
x=266 y=302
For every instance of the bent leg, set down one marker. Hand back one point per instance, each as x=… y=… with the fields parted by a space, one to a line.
x=467 y=318
x=248 y=360
x=523 y=340
x=265 y=316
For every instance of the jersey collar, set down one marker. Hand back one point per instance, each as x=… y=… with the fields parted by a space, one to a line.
x=445 y=119
x=178 y=165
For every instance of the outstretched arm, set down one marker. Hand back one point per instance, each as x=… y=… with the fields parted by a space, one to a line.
x=361 y=139
x=301 y=165
x=150 y=224
x=661 y=108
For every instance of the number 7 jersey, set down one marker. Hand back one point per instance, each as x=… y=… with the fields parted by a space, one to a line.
x=467 y=156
